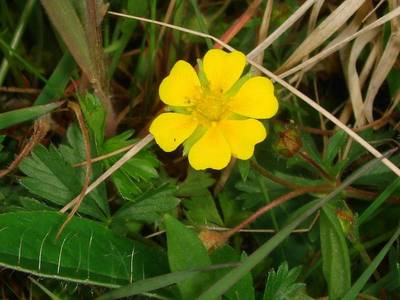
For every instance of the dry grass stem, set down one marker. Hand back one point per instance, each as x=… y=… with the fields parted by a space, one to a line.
x=281 y=29
x=329 y=50
x=88 y=166
x=40 y=129
x=263 y=32
x=324 y=30
x=353 y=80
x=135 y=149
x=105 y=156
x=381 y=71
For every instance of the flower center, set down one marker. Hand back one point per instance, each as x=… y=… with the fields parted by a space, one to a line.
x=209 y=106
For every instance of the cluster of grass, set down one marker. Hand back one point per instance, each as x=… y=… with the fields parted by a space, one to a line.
x=313 y=215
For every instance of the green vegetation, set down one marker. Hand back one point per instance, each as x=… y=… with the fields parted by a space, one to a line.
x=92 y=208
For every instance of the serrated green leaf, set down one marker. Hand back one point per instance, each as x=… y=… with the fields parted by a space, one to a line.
x=185 y=252
x=335 y=254
x=95 y=117
x=52 y=178
x=73 y=151
x=149 y=206
x=195 y=184
x=21 y=115
x=281 y=284
x=133 y=177
x=87 y=251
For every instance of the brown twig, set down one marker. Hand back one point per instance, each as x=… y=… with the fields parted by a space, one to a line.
x=271 y=176
x=313 y=163
x=88 y=166
x=11 y=89
x=41 y=127
x=240 y=22
x=375 y=124
x=105 y=156
x=278 y=201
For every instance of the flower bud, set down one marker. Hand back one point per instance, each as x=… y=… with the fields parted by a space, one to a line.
x=288 y=142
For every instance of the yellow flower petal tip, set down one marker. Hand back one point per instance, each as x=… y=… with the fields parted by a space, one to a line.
x=180 y=86
x=213 y=109
x=223 y=69
x=211 y=151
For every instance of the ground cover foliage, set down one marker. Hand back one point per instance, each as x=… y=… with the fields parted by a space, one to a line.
x=312 y=215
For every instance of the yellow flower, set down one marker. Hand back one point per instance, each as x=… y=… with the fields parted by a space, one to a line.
x=216 y=112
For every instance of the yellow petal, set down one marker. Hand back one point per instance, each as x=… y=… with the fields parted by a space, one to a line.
x=180 y=86
x=211 y=151
x=242 y=135
x=223 y=69
x=172 y=129
x=255 y=99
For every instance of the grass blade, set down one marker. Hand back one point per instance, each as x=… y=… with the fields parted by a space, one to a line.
x=359 y=284
x=57 y=82
x=157 y=282
x=68 y=25
x=379 y=201
x=17 y=37
x=17 y=116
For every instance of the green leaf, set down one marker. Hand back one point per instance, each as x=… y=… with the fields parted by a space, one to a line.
x=226 y=282
x=55 y=86
x=149 y=206
x=185 y=252
x=243 y=289
x=2 y=137
x=87 y=251
x=126 y=29
x=17 y=116
x=336 y=143
x=281 y=284
x=380 y=176
x=202 y=210
x=244 y=168
x=66 y=20
x=73 y=151
x=52 y=178
x=374 y=206
x=362 y=280
x=335 y=255
x=150 y=284
x=195 y=184
x=157 y=282
x=231 y=212
x=133 y=177
x=95 y=117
